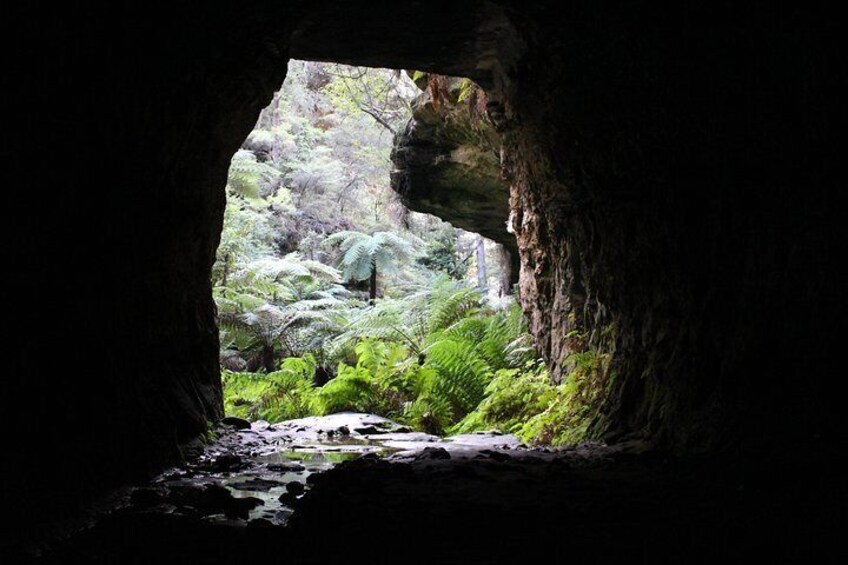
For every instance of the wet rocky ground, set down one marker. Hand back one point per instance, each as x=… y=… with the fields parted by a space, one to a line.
x=351 y=488
x=253 y=474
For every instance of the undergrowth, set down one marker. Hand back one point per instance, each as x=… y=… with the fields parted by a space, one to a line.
x=460 y=368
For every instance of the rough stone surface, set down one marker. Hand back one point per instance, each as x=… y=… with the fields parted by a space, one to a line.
x=664 y=208
x=447 y=161
x=461 y=504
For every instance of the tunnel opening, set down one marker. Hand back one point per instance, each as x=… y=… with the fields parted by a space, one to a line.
x=671 y=180
x=332 y=294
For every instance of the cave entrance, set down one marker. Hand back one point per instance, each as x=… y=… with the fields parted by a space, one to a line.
x=351 y=324
x=326 y=271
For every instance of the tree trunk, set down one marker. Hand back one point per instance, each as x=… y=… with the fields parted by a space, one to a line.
x=268 y=358
x=226 y=269
x=506 y=263
x=373 y=291
x=321 y=376
x=481 y=264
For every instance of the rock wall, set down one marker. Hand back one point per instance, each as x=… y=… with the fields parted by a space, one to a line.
x=670 y=202
x=123 y=138
x=447 y=160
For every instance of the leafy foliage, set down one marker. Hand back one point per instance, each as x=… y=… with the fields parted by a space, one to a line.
x=568 y=415
x=280 y=395
x=249 y=178
x=526 y=403
x=441 y=255
x=380 y=382
x=513 y=397
x=278 y=304
x=363 y=255
x=445 y=348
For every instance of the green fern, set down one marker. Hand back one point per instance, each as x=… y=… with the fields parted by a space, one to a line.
x=364 y=255
x=277 y=396
x=512 y=398
x=351 y=391
x=273 y=307
x=462 y=374
x=429 y=413
x=247 y=177
x=447 y=306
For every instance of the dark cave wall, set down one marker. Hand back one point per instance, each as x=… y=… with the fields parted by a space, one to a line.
x=122 y=160
x=670 y=198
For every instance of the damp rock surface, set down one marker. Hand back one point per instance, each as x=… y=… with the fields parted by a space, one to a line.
x=317 y=497
x=257 y=471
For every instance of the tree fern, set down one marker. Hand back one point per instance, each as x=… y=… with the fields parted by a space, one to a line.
x=247 y=177
x=279 y=306
x=363 y=255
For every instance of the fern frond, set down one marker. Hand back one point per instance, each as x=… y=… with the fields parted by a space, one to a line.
x=446 y=310
x=248 y=177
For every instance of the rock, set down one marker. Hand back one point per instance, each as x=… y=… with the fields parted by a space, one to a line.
x=288 y=499
x=286 y=467
x=215 y=496
x=225 y=462
x=260 y=523
x=433 y=453
x=237 y=423
x=217 y=499
x=446 y=164
x=256 y=483
x=370 y=430
x=146 y=497
x=193 y=449
x=241 y=507
x=261 y=425
x=496 y=455
x=295 y=488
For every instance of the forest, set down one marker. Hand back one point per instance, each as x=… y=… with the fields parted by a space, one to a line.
x=332 y=296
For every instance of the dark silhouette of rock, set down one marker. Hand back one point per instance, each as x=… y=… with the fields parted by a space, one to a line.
x=295 y=488
x=237 y=423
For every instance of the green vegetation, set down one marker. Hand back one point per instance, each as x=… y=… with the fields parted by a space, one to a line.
x=363 y=255
x=333 y=297
x=425 y=360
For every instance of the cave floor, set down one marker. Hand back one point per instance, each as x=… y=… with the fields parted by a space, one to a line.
x=357 y=488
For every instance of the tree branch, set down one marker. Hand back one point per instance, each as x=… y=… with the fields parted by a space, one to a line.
x=378 y=119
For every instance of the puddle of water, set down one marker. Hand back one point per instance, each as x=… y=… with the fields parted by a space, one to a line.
x=312 y=458
x=293 y=451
